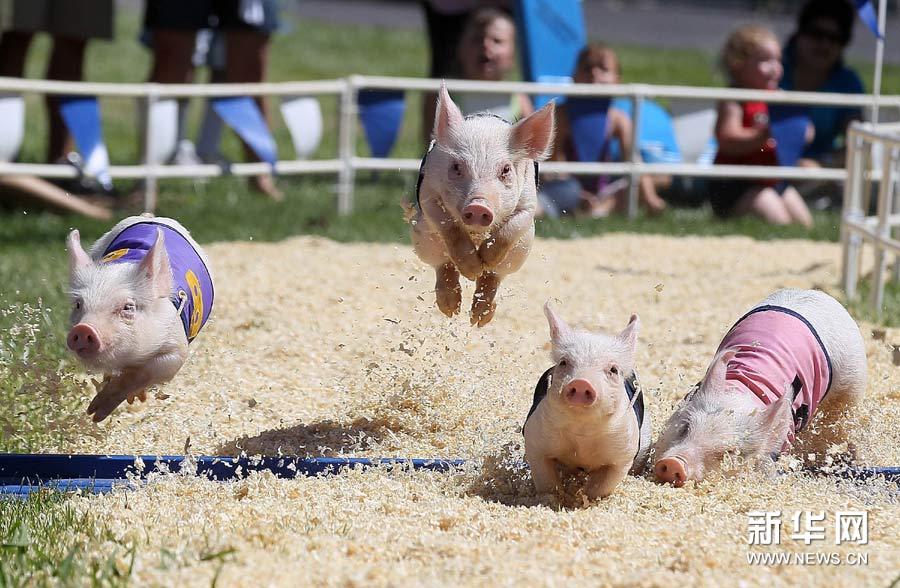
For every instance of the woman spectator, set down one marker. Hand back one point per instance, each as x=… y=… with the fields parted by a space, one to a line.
x=813 y=62
x=487 y=52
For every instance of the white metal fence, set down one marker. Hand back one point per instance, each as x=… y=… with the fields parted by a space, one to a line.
x=873 y=162
x=347 y=162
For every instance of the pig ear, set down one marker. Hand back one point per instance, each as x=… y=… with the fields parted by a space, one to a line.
x=155 y=267
x=714 y=380
x=558 y=328
x=532 y=137
x=773 y=423
x=629 y=334
x=77 y=256
x=446 y=117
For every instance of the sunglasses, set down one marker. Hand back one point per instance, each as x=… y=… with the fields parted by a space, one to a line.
x=823 y=35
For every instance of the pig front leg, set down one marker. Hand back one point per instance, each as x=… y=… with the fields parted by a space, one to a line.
x=457 y=241
x=430 y=249
x=545 y=474
x=603 y=481
x=132 y=383
x=446 y=289
x=495 y=249
x=483 y=305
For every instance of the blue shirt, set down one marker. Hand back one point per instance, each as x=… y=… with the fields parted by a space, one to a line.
x=830 y=121
x=656 y=137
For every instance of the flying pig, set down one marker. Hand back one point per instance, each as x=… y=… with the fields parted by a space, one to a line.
x=138 y=298
x=476 y=198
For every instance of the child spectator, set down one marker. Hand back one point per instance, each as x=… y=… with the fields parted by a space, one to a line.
x=487 y=52
x=597 y=64
x=752 y=59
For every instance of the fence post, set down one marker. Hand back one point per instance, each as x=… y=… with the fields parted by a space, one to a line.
x=346 y=146
x=885 y=193
x=150 y=184
x=634 y=157
x=852 y=210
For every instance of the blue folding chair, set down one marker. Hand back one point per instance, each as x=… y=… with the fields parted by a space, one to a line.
x=381 y=114
x=588 y=118
x=788 y=124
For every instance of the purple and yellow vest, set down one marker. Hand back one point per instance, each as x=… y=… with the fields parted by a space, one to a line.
x=192 y=291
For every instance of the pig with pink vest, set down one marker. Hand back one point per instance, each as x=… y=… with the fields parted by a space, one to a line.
x=795 y=358
x=476 y=199
x=138 y=299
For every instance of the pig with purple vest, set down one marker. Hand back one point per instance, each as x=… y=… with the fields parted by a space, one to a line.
x=139 y=297
x=794 y=358
x=476 y=198
x=588 y=411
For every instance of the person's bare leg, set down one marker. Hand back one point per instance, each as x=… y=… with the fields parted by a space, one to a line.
x=796 y=207
x=649 y=197
x=172 y=64
x=66 y=63
x=172 y=52
x=765 y=203
x=247 y=57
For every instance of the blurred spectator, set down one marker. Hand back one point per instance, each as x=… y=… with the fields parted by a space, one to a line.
x=813 y=62
x=445 y=21
x=71 y=25
x=487 y=52
x=752 y=59
x=560 y=193
x=247 y=26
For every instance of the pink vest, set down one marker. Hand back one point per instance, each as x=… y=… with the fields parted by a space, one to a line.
x=776 y=346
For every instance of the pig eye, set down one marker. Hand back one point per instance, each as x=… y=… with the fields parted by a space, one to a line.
x=563 y=363
x=457 y=168
x=614 y=370
x=507 y=169
x=78 y=305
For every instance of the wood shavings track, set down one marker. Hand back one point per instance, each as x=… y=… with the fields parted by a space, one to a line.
x=318 y=348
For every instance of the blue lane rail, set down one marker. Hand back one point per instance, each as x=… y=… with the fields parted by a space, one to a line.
x=21 y=474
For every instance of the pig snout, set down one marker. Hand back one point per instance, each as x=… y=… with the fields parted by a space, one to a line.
x=580 y=393
x=671 y=470
x=84 y=340
x=478 y=214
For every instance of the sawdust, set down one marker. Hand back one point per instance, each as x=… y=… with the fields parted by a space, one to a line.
x=318 y=348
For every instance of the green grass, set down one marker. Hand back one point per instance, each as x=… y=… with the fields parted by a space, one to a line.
x=861 y=306
x=42 y=540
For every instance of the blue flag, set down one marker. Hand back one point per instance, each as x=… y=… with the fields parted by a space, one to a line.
x=381 y=113
x=244 y=117
x=867 y=14
x=82 y=117
x=553 y=33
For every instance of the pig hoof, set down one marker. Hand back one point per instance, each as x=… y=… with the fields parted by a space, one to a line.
x=482 y=312
x=449 y=301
